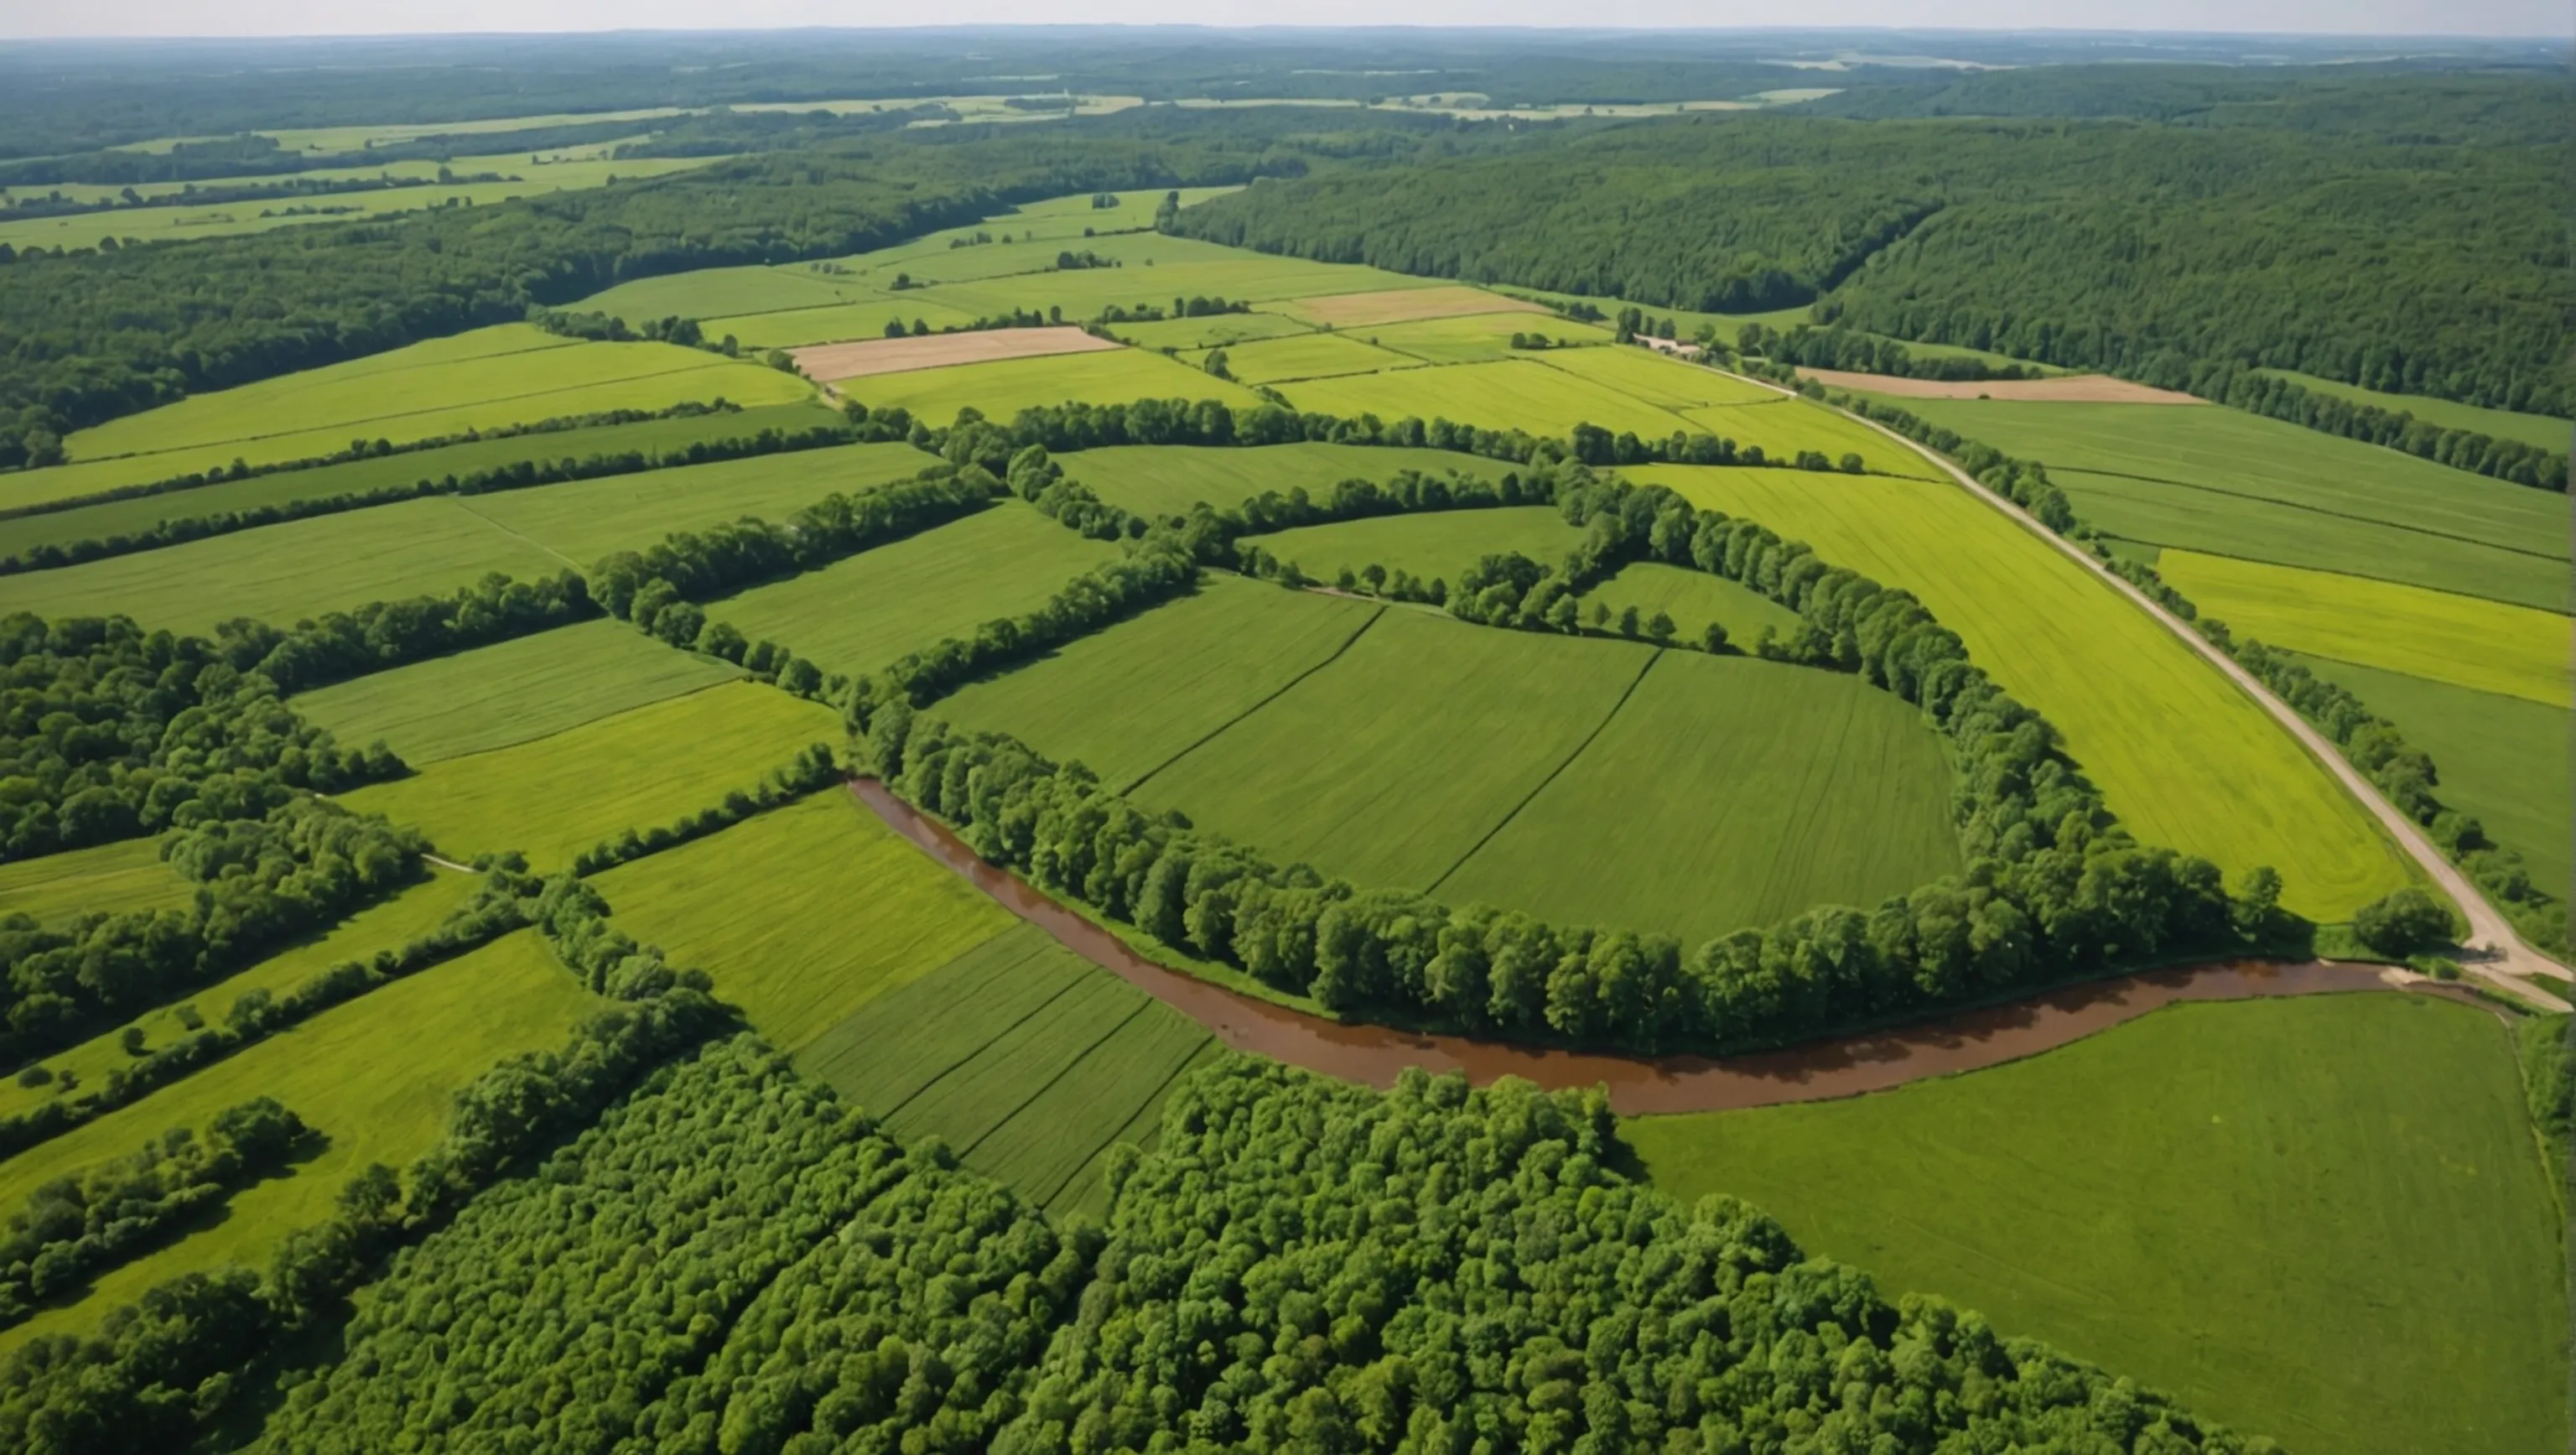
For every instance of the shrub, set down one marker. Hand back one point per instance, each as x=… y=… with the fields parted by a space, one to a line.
x=2406 y=922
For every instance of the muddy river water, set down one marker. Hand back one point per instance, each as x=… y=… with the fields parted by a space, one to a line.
x=1638 y=1085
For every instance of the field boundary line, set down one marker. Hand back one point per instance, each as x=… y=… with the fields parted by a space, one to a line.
x=2417 y=530
x=1272 y=697
x=459 y=502
x=950 y=1070
x=1066 y=1070
x=2508 y=961
x=1540 y=787
x=1162 y=1090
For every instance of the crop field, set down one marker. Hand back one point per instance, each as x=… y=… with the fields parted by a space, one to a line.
x=108 y=879
x=1308 y=356
x=1648 y=376
x=376 y=1076
x=1208 y=330
x=1474 y=338
x=833 y=363
x=2532 y=429
x=1158 y=480
x=583 y=520
x=641 y=769
x=1155 y=270
x=1505 y=394
x=860 y=614
x=1727 y=794
x=1433 y=546
x=2055 y=389
x=711 y=293
x=1784 y=427
x=1131 y=699
x=2248 y=1234
x=864 y=315
x=1404 y=305
x=1692 y=599
x=1026 y=1059
x=2502 y=760
x=2183 y=757
x=1004 y=389
x=1391 y=764
x=2462 y=640
x=510 y=692
x=119 y=517
x=803 y=914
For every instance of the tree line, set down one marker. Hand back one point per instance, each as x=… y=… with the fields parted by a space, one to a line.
x=1842 y=348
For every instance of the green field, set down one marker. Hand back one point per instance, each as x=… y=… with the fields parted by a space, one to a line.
x=2532 y=429
x=1474 y=337
x=109 y=879
x=119 y=517
x=1784 y=427
x=1307 y=356
x=1434 y=546
x=1505 y=394
x=1727 y=794
x=803 y=914
x=1131 y=699
x=860 y=614
x=1207 y=330
x=1004 y=388
x=2183 y=757
x=1158 y=480
x=2502 y=760
x=640 y=769
x=710 y=293
x=510 y=374
x=2231 y=483
x=1645 y=375
x=2462 y=640
x=511 y=692
x=375 y=1076
x=862 y=315
x=1390 y=765
x=1692 y=599
x=2323 y=1220
x=1026 y=1059
x=381 y=926
x=1157 y=270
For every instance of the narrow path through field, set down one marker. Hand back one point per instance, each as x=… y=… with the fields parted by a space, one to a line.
x=1818 y=1071
x=2498 y=953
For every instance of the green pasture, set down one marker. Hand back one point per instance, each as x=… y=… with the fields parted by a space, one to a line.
x=1159 y=480
x=511 y=692
x=1131 y=699
x=1726 y=794
x=1505 y=394
x=1306 y=356
x=376 y=1077
x=1436 y=545
x=583 y=520
x=2463 y=640
x=1391 y=764
x=1692 y=599
x=384 y=925
x=2323 y=1219
x=2538 y=430
x=864 y=316
x=2184 y=758
x=1476 y=337
x=1025 y=1058
x=1005 y=387
x=123 y=517
x=108 y=879
x=803 y=914
x=641 y=769
x=1208 y=330
x=2502 y=760
x=862 y=613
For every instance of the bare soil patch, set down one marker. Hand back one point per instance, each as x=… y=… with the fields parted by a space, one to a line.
x=1404 y=305
x=830 y=363
x=2065 y=389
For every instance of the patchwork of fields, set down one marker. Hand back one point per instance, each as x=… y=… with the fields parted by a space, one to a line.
x=1160 y=480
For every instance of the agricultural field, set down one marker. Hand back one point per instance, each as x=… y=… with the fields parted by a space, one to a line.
x=1743 y=793
x=1401 y=305
x=1026 y=1059
x=1474 y=338
x=1208 y=330
x=2502 y=760
x=1159 y=480
x=860 y=614
x=108 y=879
x=2468 y=642
x=1003 y=389
x=2184 y=758
x=1308 y=356
x=2532 y=429
x=1665 y=383
x=1156 y=270
x=1129 y=700
x=803 y=914
x=1505 y=394
x=511 y=692
x=640 y=769
x=375 y=1076
x=2250 y=1237
x=863 y=315
x=1692 y=599
x=1432 y=547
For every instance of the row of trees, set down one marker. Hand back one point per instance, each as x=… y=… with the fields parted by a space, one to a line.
x=1842 y=348
x=2396 y=429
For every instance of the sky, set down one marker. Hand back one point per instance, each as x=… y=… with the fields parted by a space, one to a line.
x=30 y=18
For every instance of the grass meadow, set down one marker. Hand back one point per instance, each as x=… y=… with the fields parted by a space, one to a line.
x=1004 y=388
x=2484 y=645
x=2322 y=1219
x=108 y=879
x=1727 y=794
x=2184 y=758
x=1158 y=480
x=1784 y=427
x=650 y=766
x=1131 y=699
x=862 y=613
x=803 y=914
x=1433 y=546
x=1692 y=599
x=375 y=1076
x=1165 y=269
x=511 y=692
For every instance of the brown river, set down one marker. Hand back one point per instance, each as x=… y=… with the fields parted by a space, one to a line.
x=1815 y=1071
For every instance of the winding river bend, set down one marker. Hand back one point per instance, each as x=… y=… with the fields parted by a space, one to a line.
x=1638 y=1085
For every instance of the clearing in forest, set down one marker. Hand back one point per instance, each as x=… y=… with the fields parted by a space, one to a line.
x=833 y=362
